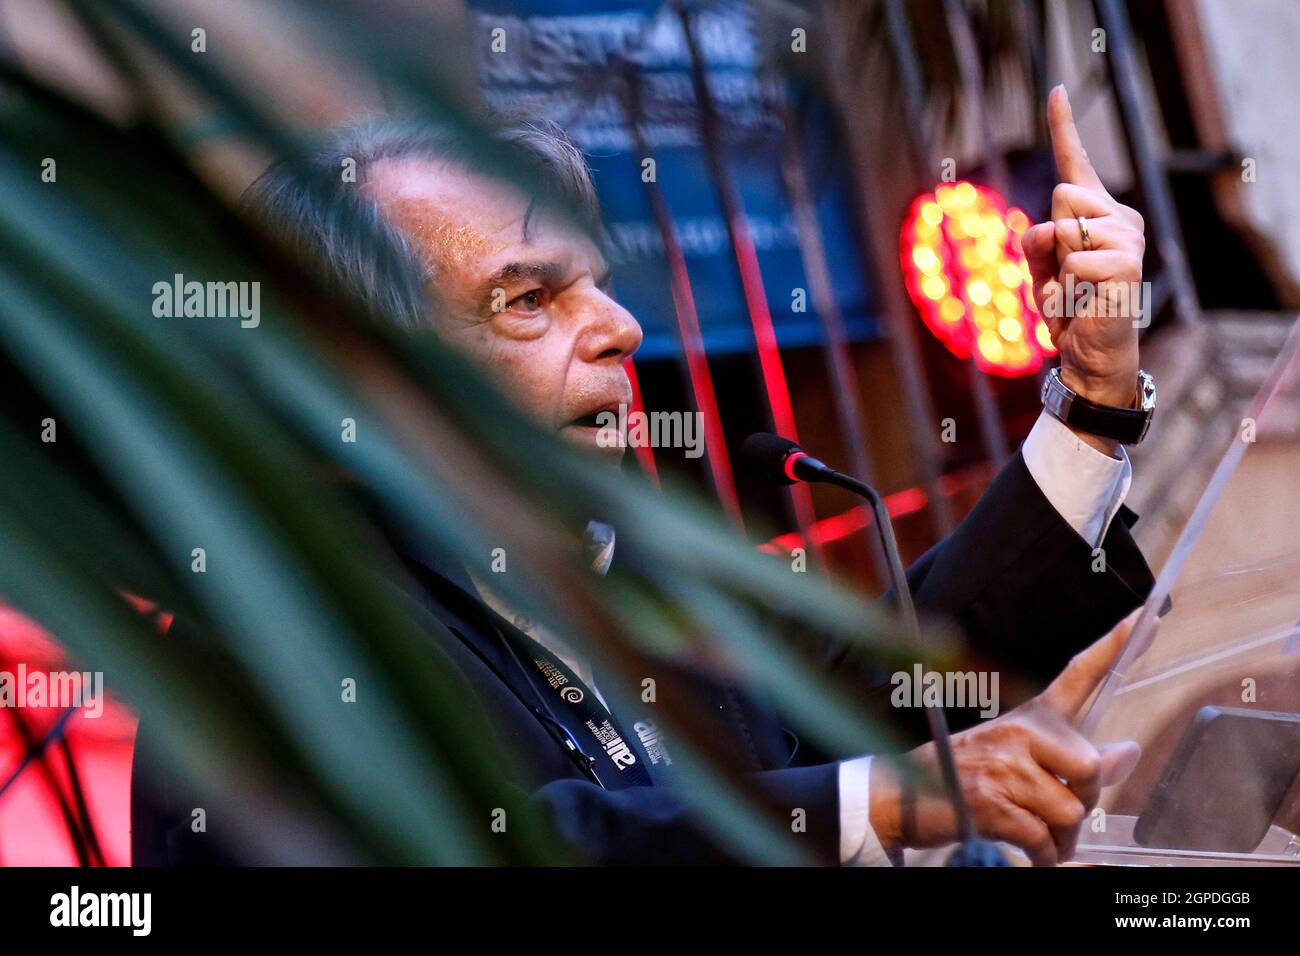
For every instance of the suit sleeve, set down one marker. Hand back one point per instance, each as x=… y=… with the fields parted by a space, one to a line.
x=656 y=826
x=1025 y=588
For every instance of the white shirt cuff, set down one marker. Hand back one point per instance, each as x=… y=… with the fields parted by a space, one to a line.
x=859 y=845
x=1084 y=485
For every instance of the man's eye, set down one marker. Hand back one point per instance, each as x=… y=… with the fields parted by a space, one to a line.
x=531 y=301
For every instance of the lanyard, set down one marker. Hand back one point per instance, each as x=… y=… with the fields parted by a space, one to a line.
x=615 y=758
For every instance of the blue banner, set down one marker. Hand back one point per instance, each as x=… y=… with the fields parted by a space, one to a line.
x=563 y=59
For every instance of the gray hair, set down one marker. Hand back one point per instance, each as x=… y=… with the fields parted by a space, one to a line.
x=329 y=223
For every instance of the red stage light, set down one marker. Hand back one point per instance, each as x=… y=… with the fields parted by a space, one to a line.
x=36 y=797
x=964 y=269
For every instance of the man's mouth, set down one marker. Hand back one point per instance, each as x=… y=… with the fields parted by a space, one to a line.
x=597 y=429
x=597 y=417
x=586 y=421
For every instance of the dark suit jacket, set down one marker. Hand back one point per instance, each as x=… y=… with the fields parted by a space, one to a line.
x=1014 y=575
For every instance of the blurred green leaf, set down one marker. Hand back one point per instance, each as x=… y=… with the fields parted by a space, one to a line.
x=201 y=433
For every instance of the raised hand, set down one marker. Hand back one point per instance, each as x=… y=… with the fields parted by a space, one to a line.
x=1089 y=291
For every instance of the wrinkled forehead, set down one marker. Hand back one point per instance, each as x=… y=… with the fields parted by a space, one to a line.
x=464 y=223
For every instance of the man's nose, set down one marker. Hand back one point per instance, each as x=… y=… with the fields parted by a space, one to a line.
x=611 y=334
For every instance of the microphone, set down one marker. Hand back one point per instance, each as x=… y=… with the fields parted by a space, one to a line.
x=780 y=460
x=783 y=462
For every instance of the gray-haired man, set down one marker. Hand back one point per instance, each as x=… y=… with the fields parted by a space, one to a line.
x=525 y=292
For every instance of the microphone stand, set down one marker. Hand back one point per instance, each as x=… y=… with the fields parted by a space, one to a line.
x=974 y=851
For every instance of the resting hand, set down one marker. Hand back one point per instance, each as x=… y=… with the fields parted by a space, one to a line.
x=1029 y=777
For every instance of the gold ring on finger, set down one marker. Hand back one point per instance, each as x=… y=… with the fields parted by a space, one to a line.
x=1083 y=232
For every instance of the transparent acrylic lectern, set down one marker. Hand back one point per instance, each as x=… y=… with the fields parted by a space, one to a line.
x=1230 y=638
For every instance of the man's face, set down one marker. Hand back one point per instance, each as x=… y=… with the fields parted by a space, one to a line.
x=529 y=304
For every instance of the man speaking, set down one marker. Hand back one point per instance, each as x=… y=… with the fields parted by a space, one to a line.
x=526 y=294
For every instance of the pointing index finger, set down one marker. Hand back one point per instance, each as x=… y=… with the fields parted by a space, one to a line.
x=1072 y=161
x=1070 y=691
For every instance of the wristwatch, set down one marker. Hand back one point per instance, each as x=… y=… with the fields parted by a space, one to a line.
x=1128 y=426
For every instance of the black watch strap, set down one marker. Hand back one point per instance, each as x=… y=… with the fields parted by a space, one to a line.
x=1128 y=426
